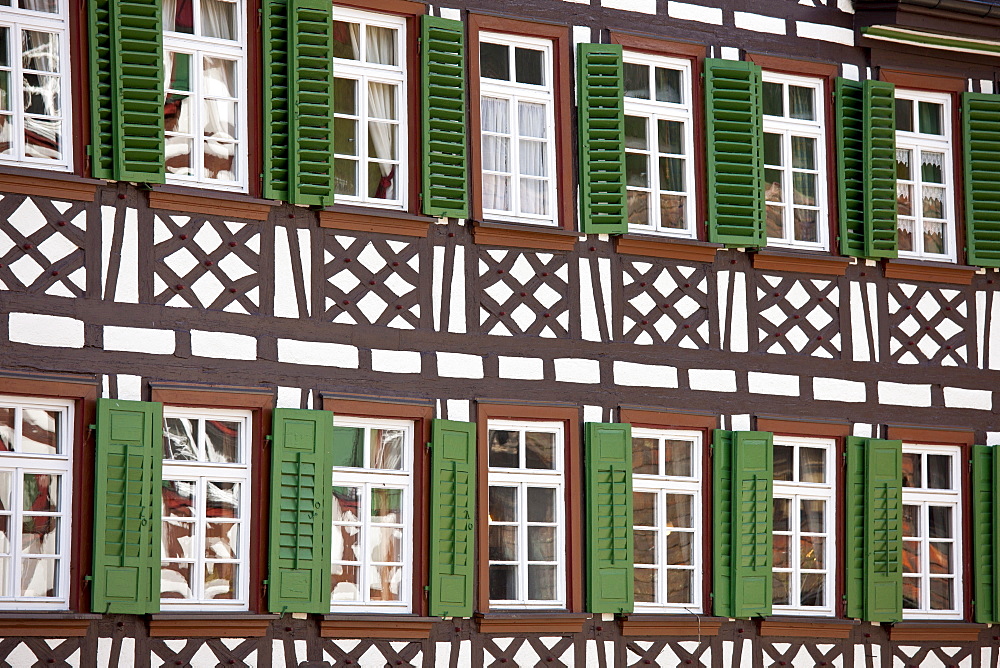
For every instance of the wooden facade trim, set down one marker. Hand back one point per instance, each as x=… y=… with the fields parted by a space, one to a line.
x=531 y=622
x=390 y=6
x=670 y=625
x=818 y=627
x=936 y=631
x=46 y=624
x=807 y=263
x=56 y=185
x=794 y=65
x=813 y=428
x=641 y=416
x=387 y=627
x=510 y=234
x=356 y=219
x=171 y=198
x=654 y=45
x=931 y=272
x=209 y=625
x=922 y=81
x=667 y=248
x=931 y=435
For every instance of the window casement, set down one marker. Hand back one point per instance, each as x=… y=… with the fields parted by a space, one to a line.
x=370 y=108
x=35 y=94
x=666 y=489
x=804 y=522
x=527 y=529
x=35 y=498
x=205 y=109
x=659 y=144
x=932 y=532
x=205 y=509
x=517 y=118
x=373 y=496
x=925 y=176
x=794 y=161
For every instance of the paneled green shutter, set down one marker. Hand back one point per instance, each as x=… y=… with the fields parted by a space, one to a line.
x=722 y=521
x=884 y=531
x=301 y=489
x=600 y=84
x=127 y=497
x=984 y=534
x=981 y=157
x=453 y=524
x=610 y=549
x=276 y=107
x=849 y=98
x=126 y=91
x=445 y=165
x=880 y=169
x=854 y=551
x=734 y=132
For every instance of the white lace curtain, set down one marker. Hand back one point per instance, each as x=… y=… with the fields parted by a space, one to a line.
x=532 y=155
x=380 y=48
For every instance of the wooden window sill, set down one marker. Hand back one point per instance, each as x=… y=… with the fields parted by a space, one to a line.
x=933 y=272
x=209 y=625
x=670 y=625
x=57 y=185
x=524 y=236
x=807 y=627
x=800 y=261
x=382 y=627
x=667 y=247
x=46 y=624
x=209 y=202
x=527 y=621
x=360 y=219
x=936 y=632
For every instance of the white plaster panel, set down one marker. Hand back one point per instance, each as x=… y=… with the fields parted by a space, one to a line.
x=450 y=13
x=459 y=410
x=644 y=375
x=687 y=11
x=982 y=317
x=285 y=301
x=712 y=380
x=459 y=365
x=957 y=397
x=859 y=328
x=126 y=656
x=456 y=310
x=589 y=326
x=729 y=53
x=600 y=653
x=604 y=269
x=740 y=422
x=396 y=361
x=447 y=654
x=54 y=331
x=581 y=34
x=289 y=397
x=298 y=648
x=127 y=280
x=521 y=368
x=641 y=6
x=317 y=353
x=824 y=33
x=851 y=72
x=904 y=394
x=993 y=438
x=139 y=340
x=223 y=345
x=736 y=326
x=760 y=23
x=779 y=384
x=129 y=387
x=838 y=389
x=577 y=370
x=593 y=414
x=437 y=286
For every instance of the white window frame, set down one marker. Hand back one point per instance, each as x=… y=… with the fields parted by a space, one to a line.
x=522 y=478
x=367 y=478
x=817 y=129
x=917 y=142
x=201 y=472
x=514 y=93
x=364 y=73
x=924 y=497
x=662 y=485
x=654 y=110
x=19 y=463
x=801 y=491
x=199 y=48
x=16 y=20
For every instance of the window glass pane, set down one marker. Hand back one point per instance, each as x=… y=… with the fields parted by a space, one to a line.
x=175 y=580
x=911 y=556
x=637 y=170
x=911 y=521
x=801 y=102
x=679 y=585
x=504 y=449
x=804 y=189
x=7 y=428
x=503 y=504
x=494 y=61
x=638 y=204
x=812 y=465
x=783 y=469
x=382 y=105
x=495 y=114
x=668 y=86
x=534 y=197
x=180 y=439
x=348 y=446
x=773 y=103
x=387 y=506
x=40 y=52
x=387 y=449
x=345 y=136
x=40 y=534
x=503 y=582
x=636 y=133
x=222 y=540
x=222 y=441
x=645 y=585
x=179 y=17
x=41 y=96
x=5 y=94
x=539 y=450
x=346 y=40
x=679 y=548
x=813 y=591
x=50 y=6
x=941 y=594
x=803 y=153
x=775 y=214
x=5 y=58
x=179 y=498
x=346 y=581
x=637 y=81
x=911 y=593
x=381 y=46
x=345 y=504
x=812 y=552
x=677 y=457
x=541 y=543
x=178 y=540
x=904 y=115
x=772 y=149
x=222 y=499
x=939 y=471
x=39 y=577
x=529 y=66
x=680 y=510
x=6 y=477
x=931 y=118
x=933 y=204
x=780 y=582
x=645 y=456
x=541 y=583
x=218 y=19
x=40 y=431
x=532 y=158
x=644 y=509
x=531 y=120
x=220 y=581
x=782 y=550
x=911 y=470
x=671 y=136
x=939 y=521
x=932 y=167
x=934 y=239
x=672 y=213
x=939 y=554
x=384 y=583
x=541 y=504
x=645 y=547
x=672 y=174
x=503 y=543
x=781 y=519
x=345 y=98
x=812 y=515
x=806 y=228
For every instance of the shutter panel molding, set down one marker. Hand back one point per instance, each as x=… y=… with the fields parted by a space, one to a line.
x=127 y=497
x=276 y=106
x=735 y=153
x=985 y=537
x=981 y=161
x=453 y=523
x=445 y=150
x=744 y=496
x=854 y=521
x=601 y=108
x=301 y=489
x=126 y=63
x=880 y=169
x=610 y=548
x=851 y=136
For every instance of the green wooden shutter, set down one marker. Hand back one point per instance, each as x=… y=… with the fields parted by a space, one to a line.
x=722 y=521
x=301 y=488
x=849 y=100
x=734 y=132
x=126 y=69
x=880 y=169
x=854 y=552
x=984 y=518
x=453 y=524
x=127 y=467
x=884 y=531
x=445 y=165
x=276 y=107
x=600 y=85
x=981 y=158
x=610 y=549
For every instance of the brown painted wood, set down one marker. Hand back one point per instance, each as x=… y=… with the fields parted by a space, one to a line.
x=46 y=624
x=932 y=272
x=818 y=263
x=639 y=416
x=815 y=627
x=209 y=625
x=657 y=46
x=47 y=184
x=923 y=81
x=795 y=66
x=931 y=435
x=818 y=429
x=519 y=236
x=936 y=631
x=671 y=249
x=387 y=6
x=172 y=198
x=531 y=622
x=388 y=627
x=369 y=220
x=670 y=625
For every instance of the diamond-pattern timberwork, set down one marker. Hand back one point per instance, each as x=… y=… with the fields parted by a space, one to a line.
x=42 y=246
x=952 y=654
x=524 y=292
x=801 y=654
x=927 y=325
x=667 y=654
x=530 y=652
x=235 y=652
x=665 y=303
x=25 y=652
x=353 y=653
x=798 y=316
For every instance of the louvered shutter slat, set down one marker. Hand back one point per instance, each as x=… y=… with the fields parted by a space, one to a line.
x=880 y=169
x=981 y=160
x=453 y=484
x=301 y=488
x=849 y=98
x=855 y=555
x=603 y=201
x=884 y=531
x=610 y=548
x=128 y=480
x=276 y=116
x=722 y=507
x=983 y=533
x=735 y=153
x=752 y=552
